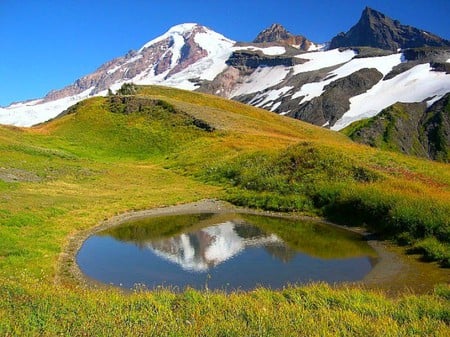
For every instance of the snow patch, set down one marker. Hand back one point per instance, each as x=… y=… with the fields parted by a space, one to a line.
x=261 y=79
x=113 y=70
x=134 y=59
x=219 y=50
x=323 y=59
x=383 y=64
x=316 y=47
x=29 y=114
x=275 y=106
x=414 y=85
x=270 y=51
x=178 y=30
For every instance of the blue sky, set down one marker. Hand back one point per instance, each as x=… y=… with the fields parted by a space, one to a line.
x=49 y=44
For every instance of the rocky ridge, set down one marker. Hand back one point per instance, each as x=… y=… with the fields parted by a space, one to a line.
x=374 y=29
x=277 y=33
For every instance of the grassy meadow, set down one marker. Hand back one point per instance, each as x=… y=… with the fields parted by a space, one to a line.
x=164 y=147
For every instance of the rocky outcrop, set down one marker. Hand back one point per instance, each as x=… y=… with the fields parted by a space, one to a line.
x=437 y=57
x=335 y=101
x=374 y=29
x=244 y=59
x=277 y=33
x=118 y=70
x=410 y=128
x=224 y=83
x=156 y=58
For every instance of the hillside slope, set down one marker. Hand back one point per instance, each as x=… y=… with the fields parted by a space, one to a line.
x=163 y=146
x=413 y=129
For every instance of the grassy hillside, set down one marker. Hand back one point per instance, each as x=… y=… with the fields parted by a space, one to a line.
x=411 y=128
x=165 y=147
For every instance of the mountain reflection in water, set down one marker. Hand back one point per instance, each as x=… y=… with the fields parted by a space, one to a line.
x=223 y=251
x=201 y=250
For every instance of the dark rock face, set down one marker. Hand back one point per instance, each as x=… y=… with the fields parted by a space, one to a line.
x=374 y=29
x=435 y=56
x=277 y=33
x=274 y=33
x=253 y=59
x=410 y=128
x=335 y=101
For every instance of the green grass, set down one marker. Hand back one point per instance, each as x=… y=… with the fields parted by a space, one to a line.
x=329 y=182
x=93 y=164
x=308 y=311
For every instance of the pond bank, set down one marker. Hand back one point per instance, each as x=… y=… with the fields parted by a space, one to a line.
x=393 y=273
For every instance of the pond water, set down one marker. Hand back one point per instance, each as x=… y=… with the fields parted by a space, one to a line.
x=224 y=251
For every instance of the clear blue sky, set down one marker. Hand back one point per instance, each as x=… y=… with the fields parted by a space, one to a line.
x=48 y=44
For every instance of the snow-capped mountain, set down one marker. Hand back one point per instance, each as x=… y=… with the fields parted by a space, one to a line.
x=183 y=55
x=279 y=71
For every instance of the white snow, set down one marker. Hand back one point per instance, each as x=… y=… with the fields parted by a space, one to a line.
x=113 y=70
x=414 y=85
x=323 y=59
x=26 y=103
x=178 y=42
x=384 y=64
x=134 y=59
x=448 y=61
x=219 y=49
x=175 y=30
x=270 y=51
x=275 y=106
x=261 y=79
x=316 y=47
x=263 y=99
x=31 y=113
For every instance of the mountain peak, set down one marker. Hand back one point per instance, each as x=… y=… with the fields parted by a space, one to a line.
x=374 y=29
x=274 y=33
x=183 y=29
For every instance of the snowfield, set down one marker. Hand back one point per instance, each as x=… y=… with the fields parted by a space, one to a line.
x=270 y=51
x=261 y=79
x=34 y=112
x=414 y=85
x=383 y=64
x=323 y=59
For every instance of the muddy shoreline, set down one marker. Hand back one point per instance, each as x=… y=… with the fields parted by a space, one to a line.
x=394 y=273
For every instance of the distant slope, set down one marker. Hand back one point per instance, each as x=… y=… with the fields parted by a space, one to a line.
x=409 y=128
